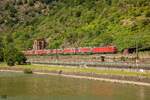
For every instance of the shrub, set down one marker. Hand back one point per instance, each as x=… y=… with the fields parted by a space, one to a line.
x=1 y=50
x=78 y=14
x=1 y=55
x=10 y=61
x=122 y=58
x=9 y=55
x=47 y=1
x=30 y=2
x=147 y=13
x=24 y=1
x=109 y=2
x=20 y=58
x=28 y=71
x=18 y=2
x=12 y=56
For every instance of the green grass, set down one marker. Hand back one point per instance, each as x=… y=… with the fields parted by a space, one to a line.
x=82 y=70
x=3 y=64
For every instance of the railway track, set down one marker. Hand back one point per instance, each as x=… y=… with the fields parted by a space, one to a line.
x=118 y=65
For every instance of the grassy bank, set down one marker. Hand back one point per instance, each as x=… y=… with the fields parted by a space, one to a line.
x=80 y=70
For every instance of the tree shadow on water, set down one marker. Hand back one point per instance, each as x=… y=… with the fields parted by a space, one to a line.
x=3 y=96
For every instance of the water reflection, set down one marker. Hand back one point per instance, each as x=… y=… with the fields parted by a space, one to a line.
x=15 y=86
x=101 y=89
x=3 y=96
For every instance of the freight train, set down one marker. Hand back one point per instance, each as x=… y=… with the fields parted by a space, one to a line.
x=81 y=50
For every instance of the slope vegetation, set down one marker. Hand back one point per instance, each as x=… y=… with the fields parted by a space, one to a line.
x=77 y=23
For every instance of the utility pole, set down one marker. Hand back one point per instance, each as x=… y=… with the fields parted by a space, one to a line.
x=137 y=56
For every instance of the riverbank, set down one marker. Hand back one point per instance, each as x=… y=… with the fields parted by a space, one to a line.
x=117 y=76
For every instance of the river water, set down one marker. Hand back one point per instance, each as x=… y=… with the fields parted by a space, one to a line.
x=19 y=86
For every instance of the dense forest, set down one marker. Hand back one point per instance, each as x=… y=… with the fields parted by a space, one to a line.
x=76 y=23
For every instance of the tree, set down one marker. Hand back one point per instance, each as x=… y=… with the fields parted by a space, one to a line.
x=1 y=55
x=30 y=2
x=109 y=2
x=13 y=56
x=10 y=54
x=47 y=1
x=18 y=2
x=20 y=58
x=1 y=50
x=9 y=50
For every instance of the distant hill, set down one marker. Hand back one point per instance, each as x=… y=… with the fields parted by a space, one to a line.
x=77 y=23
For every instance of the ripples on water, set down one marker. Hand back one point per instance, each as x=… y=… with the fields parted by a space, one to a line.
x=17 y=86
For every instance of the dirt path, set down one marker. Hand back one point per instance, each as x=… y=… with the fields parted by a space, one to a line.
x=85 y=77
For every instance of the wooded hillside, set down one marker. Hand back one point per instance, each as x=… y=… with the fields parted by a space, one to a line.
x=76 y=23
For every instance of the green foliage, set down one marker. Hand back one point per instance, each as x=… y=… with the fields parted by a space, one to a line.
x=147 y=13
x=1 y=50
x=47 y=1
x=20 y=58
x=13 y=56
x=18 y=2
x=109 y=2
x=28 y=71
x=30 y=2
x=10 y=62
x=1 y=55
x=75 y=23
x=10 y=54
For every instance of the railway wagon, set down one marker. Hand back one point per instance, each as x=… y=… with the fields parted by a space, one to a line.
x=83 y=50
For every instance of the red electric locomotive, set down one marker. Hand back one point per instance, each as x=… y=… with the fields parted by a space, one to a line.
x=109 y=49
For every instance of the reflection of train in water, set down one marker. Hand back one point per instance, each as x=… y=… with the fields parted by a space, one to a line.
x=83 y=50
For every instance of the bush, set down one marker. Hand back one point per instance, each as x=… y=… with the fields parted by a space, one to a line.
x=1 y=55
x=147 y=13
x=20 y=58
x=47 y=1
x=109 y=2
x=28 y=71
x=30 y=2
x=1 y=51
x=9 y=55
x=12 y=56
x=78 y=14
x=18 y=2
x=123 y=58
x=10 y=62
